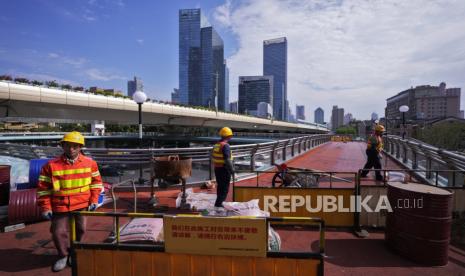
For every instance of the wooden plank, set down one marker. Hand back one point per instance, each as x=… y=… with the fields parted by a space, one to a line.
x=123 y=263
x=286 y=267
x=161 y=264
x=201 y=265
x=242 y=266
x=142 y=263
x=222 y=266
x=264 y=266
x=85 y=262
x=103 y=262
x=180 y=265
x=307 y=267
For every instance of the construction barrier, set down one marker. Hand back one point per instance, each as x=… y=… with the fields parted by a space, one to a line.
x=168 y=259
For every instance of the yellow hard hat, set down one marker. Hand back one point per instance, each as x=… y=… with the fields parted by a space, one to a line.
x=225 y=132
x=379 y=128
x=73 y=137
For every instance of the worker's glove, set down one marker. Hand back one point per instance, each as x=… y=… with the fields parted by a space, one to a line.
x=47 y=215
x=92 y=207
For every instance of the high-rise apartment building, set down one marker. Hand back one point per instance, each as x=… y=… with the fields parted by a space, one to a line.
x=337 y=117
x=425 y=102
x=300 y=112
x=348 y=118
x=253 y=90
x=175 y=96
x=135 y=85
x=201 y=63
x=374 y=116
x=275 y=64
x=319 y=116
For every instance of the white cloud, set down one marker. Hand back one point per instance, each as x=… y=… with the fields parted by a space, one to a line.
x=76 y=62
x=97 y=74
x=354 y=53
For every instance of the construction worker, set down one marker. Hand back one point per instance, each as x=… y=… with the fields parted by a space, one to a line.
x=374 y=149
x=222 y=161
x=70 y=182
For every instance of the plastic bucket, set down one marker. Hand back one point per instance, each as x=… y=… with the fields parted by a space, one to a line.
x=35 y=165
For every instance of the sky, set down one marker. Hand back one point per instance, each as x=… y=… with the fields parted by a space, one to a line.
x=354 y=53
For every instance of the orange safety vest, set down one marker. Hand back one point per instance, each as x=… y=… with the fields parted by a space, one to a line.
x=65 y=187
x=375 y=142
x=218 y=156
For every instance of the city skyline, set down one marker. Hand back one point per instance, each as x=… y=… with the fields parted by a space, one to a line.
x=101 y=43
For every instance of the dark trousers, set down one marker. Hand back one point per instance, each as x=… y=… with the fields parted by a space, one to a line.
x=373 y=161
x=223 y=177
x=60 y=231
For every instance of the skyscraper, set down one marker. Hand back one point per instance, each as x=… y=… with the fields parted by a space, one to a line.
x=212 y=68
x=175 y=96
x=319 y=116
x=300 y=112
x=252 y=91
x=337 y=117
x=135 y=85
x=275 y=64
x=189 y=56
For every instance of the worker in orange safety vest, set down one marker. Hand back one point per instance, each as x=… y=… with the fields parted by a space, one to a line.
x=373 y=151
x=70 y=182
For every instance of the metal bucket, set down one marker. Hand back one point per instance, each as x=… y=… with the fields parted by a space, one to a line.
x=4 y=184
x=419 y=226
x=23 y=207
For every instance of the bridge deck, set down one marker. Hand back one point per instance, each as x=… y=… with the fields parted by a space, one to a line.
x=30 y=251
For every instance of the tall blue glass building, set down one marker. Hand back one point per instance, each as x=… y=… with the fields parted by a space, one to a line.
x=275 y=64
x=201 y=63
x=189 y=56
x=212 y=64
x=319 y=116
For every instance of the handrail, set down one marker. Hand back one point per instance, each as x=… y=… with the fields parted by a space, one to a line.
x=416 y=155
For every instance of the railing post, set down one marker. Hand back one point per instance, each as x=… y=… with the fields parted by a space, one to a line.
x=429 y=166
x=397 y=151
x=300 y=145
x=414 y=160
x=252 y=157
x=293 y=148
x=405 y=157
x=273 y=153
x=285 y=149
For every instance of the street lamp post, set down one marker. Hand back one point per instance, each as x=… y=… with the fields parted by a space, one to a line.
x=140 y=97
x=403 y=109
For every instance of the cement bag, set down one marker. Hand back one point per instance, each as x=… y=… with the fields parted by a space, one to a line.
x=197 y=201
x=249 y=208
x=396 y=177
x=142 y=230
x=274 y=240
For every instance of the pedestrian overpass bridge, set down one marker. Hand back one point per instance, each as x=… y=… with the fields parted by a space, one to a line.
x=27 y=101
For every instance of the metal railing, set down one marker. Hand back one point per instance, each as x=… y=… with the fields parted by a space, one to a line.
x=251 y=156
x=416 y=155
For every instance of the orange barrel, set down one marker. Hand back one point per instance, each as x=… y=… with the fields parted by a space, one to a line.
x=420 y=224
x=23 y=207
x=4 y=184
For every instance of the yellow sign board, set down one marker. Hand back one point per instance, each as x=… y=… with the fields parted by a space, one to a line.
x=230 y=236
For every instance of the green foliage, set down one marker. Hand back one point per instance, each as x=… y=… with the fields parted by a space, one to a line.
x=6 y=77
x=78 y=88
x=445 y=135
x=22 y=80
x=51 y=83
x=66 y=86
x=38 y=83
x=346 y=130
x=75 y=127
x=121 y=128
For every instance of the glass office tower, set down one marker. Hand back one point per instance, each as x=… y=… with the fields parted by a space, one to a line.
x=275 y=64
x=189 y=56
x=212 y=68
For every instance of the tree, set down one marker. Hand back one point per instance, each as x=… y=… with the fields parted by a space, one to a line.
x=38 y=83
x=22 y=80
x=78 y=88
x=66 y=86
x=6 y=77
x=51 y=83
x=448 y=135
x=346 y=130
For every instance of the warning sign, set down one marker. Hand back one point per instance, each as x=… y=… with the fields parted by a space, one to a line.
x=215 y=236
